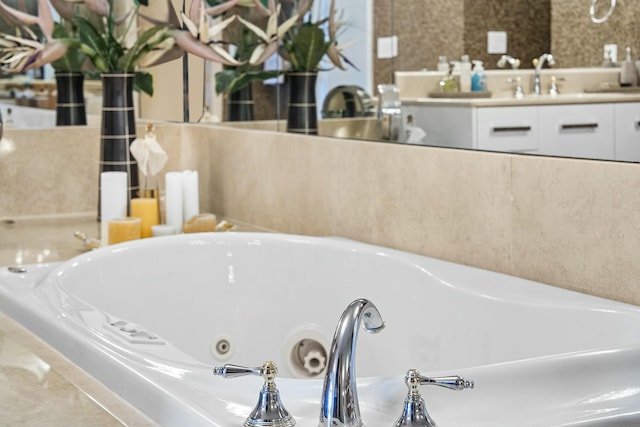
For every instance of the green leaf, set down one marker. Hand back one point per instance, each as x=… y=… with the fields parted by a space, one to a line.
x=143 y=45
x=93 y=44
x=307 y=47
x=73 y=59
x=229 y=81
x=224 y=79
x=143 y=82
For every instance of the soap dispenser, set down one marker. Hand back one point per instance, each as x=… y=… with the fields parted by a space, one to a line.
x=628 y=73
x=479 y=79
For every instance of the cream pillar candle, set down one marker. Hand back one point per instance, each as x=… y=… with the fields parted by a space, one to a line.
x=173 y=200
x=113 y=200
x=190 y=196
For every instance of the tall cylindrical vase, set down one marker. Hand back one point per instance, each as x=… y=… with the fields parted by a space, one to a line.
x=118 y=129
x=70 y=109
x=302 y=113
x=240 y=105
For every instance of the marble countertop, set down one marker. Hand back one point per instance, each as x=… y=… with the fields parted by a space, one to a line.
x=39 y=387
x=502 y=101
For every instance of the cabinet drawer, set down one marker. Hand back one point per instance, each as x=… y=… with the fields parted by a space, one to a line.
x=627 y=147
x=508 y=129
x=585 y=131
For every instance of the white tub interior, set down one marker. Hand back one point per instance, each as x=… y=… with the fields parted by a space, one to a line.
x=540 y=356
x=264 y=293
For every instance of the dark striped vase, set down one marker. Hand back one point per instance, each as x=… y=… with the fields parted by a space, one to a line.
x=118 y=129
x=302 y=113
x=240 y=105
x=70 y=109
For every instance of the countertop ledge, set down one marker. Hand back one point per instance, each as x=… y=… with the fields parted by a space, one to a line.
x=40 y=387
x=528 y=100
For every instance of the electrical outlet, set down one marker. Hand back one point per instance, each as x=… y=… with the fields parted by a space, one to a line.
x=611 y=52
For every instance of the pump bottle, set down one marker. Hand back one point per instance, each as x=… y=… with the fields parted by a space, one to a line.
x=479 y=78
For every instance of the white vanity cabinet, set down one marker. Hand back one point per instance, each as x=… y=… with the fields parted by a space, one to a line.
x=598 y=130
x=585 y=131
x=512 y=130
x=627 y=129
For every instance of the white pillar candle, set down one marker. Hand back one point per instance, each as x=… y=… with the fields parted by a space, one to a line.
x=173 y=200
x=113 y=200
x=163 y=230
x=190 y=197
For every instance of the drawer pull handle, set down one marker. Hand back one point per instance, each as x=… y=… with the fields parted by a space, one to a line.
x=579 y=126
x=638 y=124
x=512 y=129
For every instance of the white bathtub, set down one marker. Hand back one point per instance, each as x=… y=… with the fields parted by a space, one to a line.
x=540 y=356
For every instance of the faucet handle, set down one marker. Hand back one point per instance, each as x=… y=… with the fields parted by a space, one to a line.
x=518 y=90
x=452 y=382
x=269 y=412
x=235 y=371
x=415 y=412
x=553 y=89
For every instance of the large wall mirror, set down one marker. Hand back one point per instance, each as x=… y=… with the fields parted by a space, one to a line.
x=424 y=30
x=428 y=29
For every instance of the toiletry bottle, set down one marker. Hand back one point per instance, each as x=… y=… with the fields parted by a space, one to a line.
x=479 y=79
x=628 y=74
x=449 y=83
x=465 y=74
x=443 y=64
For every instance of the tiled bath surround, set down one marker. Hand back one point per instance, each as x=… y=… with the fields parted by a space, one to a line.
x=570 y=223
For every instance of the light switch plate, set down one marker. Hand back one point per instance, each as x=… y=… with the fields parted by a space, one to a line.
x=497 y=42
x=387 y=47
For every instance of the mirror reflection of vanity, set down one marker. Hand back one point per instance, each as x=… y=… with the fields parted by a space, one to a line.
x=581 y=112
x=427 y=29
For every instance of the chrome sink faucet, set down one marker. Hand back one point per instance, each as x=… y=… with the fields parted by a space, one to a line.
x=339 y=405
x=538 y=63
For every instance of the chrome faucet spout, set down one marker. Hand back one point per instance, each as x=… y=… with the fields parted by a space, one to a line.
x=339 y=405
x=538 y=63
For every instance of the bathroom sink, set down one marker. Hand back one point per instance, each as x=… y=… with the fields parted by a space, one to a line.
x=539 y=355
x=352 y=127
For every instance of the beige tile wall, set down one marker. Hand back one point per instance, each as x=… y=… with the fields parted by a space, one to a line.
x=569 y=223
x=56 y=170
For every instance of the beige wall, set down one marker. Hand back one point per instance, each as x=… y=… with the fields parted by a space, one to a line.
x=570 y=223
x=426 y=29
x=527 y=24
